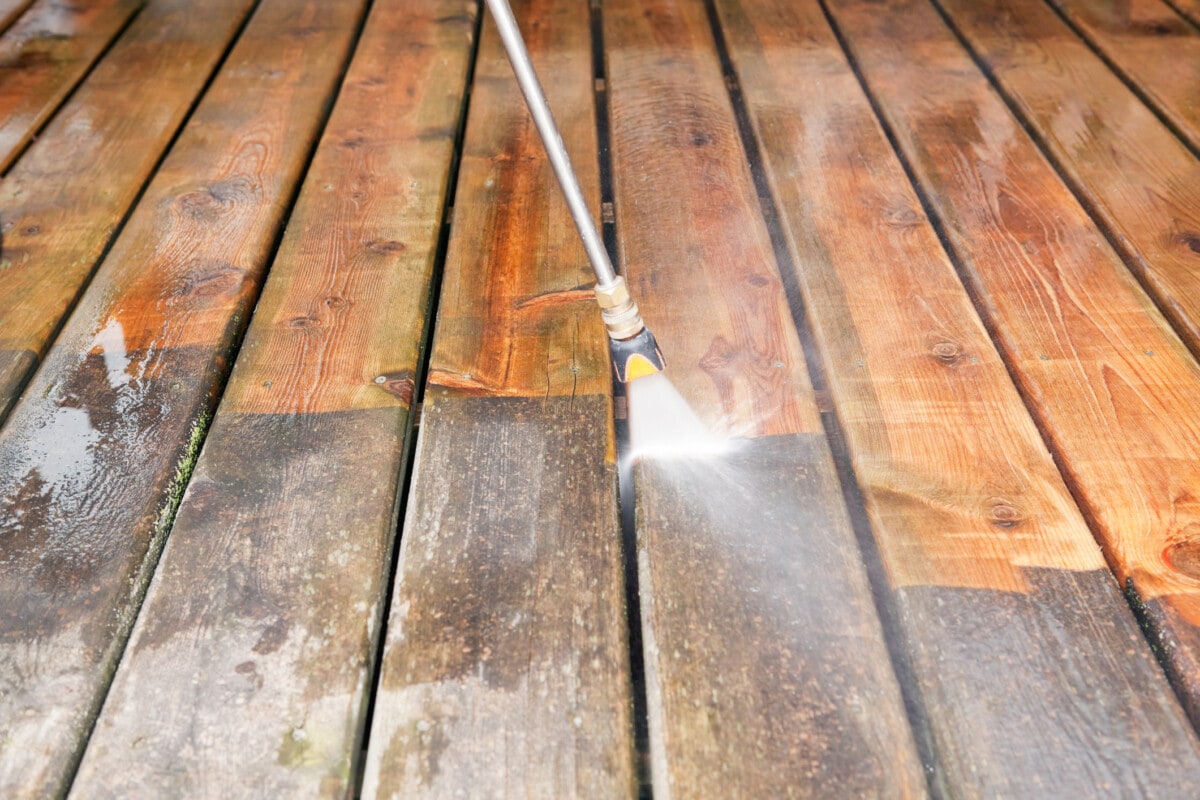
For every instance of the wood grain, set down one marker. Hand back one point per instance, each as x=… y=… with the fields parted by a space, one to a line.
x=506 y=666
x=1111 y=383
x=250 y=664
x=44 y=56
x=55 y=226
x=1139 y=180
x=94 y=458
x=1155 y=48
x=984 y=551
x=749 y=571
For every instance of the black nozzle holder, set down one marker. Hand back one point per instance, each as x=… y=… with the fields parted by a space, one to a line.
x=636 y=357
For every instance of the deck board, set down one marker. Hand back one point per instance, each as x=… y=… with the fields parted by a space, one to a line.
x=1110 y=382
x=254 y=647
x=763 y=648
x=44 y=55
x=94 y=457
x=974 y=222
x=55 y=226
x=1154 y=47
x=506 y=666
x=971 y=518
x=1139 y=180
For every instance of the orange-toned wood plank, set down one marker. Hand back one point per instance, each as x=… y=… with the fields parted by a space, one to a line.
x=1020 y=643
x=1154 y=46
x=271 y=586
x=763 y=648
x=1138 y=178
x=1114 y=387
x=44 y=56
x=95 y=456
x=56 y=225
x=506 y=667
x=1189 y=8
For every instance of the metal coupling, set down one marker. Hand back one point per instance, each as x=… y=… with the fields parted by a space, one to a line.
x=620 y=313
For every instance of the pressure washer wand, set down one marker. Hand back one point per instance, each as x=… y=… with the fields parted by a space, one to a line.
x=634 y=351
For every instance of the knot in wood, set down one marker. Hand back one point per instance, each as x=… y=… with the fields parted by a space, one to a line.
x=1005 y=515
x=946 y=352
x=1190 y=240
x=1184 y=557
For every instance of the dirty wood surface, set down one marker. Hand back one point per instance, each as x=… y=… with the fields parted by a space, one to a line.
x=94 y=458
x=1153 y=46
x=1140 y=180
x=763 y=648
x=947 y=492
x=1112 y=385
x=11 y=10
x=885 y=585
x=321 y=396
x=506 y=667
x=55 y=226
x=44 y=55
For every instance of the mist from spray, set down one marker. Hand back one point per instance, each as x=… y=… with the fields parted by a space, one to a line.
x=663 y=426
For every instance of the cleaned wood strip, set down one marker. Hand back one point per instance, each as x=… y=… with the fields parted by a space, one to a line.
x=10 y=10
x=55 y=225
x=94 y=458
x=1021 y=646
x=1189 y=8
x=1139 y=179
x=248 y=669
x=1113 y=385
x=44 y=56
x=1154 y=46
x=767 y=673
x=506 y=667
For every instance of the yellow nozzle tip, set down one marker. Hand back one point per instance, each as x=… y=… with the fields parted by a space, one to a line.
x=638 y=366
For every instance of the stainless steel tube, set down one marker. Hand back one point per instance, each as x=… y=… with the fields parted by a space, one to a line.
x=518 y=55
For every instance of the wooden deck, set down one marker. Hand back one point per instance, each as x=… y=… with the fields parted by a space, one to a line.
x=312 y=477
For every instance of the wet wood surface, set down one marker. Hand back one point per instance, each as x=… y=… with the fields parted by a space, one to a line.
x=763 y=648
x=506 y=665
x=1110 y=382
x=1141 y=181
x=95 y=456
x=44 y=55
x=394 y=565
x=967 y=507
x=1153 y=46
x=260 y=690
x=55 y=226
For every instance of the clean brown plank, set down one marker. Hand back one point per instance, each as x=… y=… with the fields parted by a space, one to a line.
x=248 y=669
x=1139 y=180
x=1156 y=48
x=766 y=670
x=506 y=668
x=44 y=56
x=1189 y=8
x=1114 y=387
x=1034 y=677
x=55 y=225
x=94 y=458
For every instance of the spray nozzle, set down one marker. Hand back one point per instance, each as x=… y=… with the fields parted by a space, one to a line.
x=634 y=351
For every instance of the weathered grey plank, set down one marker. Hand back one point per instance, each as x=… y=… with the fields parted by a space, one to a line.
x=249 y=668
x=506 y=667
x=94 y=458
